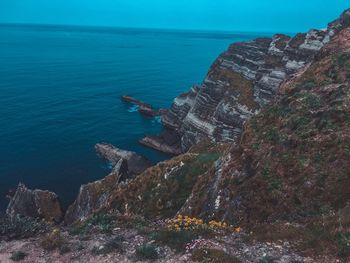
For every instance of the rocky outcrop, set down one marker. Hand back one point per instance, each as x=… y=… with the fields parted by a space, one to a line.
x=93 y=196
x=167 y=142
x=240 y=83
x=134 y=163
x=144 y=108
x=292 y=160
x=35 y=204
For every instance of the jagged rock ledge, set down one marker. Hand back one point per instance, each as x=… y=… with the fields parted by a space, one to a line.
x=36 y=204
x=239 y=84
x=135 y=163
x=144 y=108
x=167 y=142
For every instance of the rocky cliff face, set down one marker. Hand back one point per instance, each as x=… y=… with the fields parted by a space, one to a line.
x=293 y=158
x=35 y=204
x=239 y=84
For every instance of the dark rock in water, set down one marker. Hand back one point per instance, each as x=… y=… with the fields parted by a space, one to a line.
x=144 y=108
x=167 y=142
x=132 y=100
x=149 y=111
x=35 y=204
x=136 y=164
x=93 y=196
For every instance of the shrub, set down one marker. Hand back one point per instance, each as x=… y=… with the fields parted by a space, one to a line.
x=343 y=243
x=213 y=256
x=18 y=256
x=102 y=222
x=114 y=244
x=309 y=84
x=183 y=229
x=20 y=227
x=147 y=252
x=53 y=241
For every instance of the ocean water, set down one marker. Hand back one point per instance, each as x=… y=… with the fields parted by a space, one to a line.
x=60 y=91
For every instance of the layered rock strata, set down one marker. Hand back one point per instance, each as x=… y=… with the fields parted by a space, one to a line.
x=239 y=84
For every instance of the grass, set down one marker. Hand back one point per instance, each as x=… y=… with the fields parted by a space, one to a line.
x=18 y=256
x=168 y=196
x=178 y=239
x=343 y=243
x=101 y=222
x=53 y=241
x=115 y=244
x=213 y=256
x=147 y=252
x=20 y=227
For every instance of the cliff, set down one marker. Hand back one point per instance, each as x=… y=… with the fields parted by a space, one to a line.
x=239 y=84
x=263 y=175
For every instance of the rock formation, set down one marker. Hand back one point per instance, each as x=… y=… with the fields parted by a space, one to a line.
x=93 y=196
x=144 y=108
x=135 y=164
x=35 y=204
x=312 y=72
x=239 y=84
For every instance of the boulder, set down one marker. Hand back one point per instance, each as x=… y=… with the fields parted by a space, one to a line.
x=35 y=204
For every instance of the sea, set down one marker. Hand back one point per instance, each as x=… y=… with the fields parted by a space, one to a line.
x=60 y=89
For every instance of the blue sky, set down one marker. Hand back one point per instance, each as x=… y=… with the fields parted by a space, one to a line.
x=227 y=15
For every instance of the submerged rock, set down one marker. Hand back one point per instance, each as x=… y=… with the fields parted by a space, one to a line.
x=35 y=204
x=136 y=164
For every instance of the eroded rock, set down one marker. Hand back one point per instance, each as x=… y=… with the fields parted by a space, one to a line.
x=136 y=164
x=241 y=82
x=93 y=196
x=35 y=204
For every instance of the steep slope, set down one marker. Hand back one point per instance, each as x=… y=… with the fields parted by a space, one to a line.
x=240 y=82
x=293 y=158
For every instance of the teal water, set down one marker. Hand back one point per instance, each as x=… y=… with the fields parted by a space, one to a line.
x=60 y=90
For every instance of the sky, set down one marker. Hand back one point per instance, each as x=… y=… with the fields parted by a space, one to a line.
x=223 y=15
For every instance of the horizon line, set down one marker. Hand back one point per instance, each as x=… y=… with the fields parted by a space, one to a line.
x=232 y=31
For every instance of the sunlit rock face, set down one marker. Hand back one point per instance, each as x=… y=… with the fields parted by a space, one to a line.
x=240 y=83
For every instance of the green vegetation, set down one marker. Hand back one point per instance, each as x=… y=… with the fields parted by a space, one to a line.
x=18 y=256
x=177 y=239
x=102 y=222
x=55 y=240
x=213 y=256
x=275 y=183
x=344 y=60
x=312 y=101
x=267 y=260
x=147 y=252
x=170 y=195
x=309 y=84
x=115 y=244
x=20 y=227
x=343 y=243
